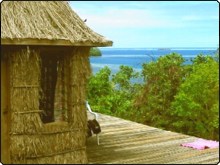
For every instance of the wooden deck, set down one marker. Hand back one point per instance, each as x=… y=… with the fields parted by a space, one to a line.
x=123 y=141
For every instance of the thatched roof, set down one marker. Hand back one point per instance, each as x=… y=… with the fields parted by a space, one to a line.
x=45 y=23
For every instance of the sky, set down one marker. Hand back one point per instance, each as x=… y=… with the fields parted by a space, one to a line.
x=152 y=24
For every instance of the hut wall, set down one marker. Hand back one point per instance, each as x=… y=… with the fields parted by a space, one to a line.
x=5 y=122
x=24 y=104
x=79 y=72
x=56 y=142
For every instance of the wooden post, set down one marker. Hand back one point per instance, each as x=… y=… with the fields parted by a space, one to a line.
x=5 y=114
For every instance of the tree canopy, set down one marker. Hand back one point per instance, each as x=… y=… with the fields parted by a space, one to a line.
x=174 y=96
x=94 y=51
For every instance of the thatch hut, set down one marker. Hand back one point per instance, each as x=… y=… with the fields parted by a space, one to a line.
x=44 y=59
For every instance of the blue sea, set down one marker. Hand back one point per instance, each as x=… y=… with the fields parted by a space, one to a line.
x=135 y=57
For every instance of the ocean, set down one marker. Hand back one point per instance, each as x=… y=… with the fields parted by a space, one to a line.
x=135 y=57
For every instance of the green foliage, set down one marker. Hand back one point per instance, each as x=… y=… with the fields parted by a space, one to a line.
x=177 y=97
x=216 y=57
x=113 y=96
x=201 y=59
x=124 y=91
x=94 y=51
x=195 y=109
x=123 y=78
x=163 y=77
x=99 y=91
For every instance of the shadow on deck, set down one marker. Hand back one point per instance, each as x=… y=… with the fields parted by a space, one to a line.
x=123 y=141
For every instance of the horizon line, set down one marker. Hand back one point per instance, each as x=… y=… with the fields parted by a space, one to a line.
x=157 y=47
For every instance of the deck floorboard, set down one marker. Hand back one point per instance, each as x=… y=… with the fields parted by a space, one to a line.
x=127 y=142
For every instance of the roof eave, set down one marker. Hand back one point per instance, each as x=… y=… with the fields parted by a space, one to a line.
x=57 y=42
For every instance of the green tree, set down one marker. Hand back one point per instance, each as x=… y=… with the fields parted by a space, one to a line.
x=114 y=95
x=195 y=110
x=99 y=91
x=163 y=78
x=94 y=51
x=174 y=96
x=124 y=91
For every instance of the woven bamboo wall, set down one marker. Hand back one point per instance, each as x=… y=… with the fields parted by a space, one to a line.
x=56 y=142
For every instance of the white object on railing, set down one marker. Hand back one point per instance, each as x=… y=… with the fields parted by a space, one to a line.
x=89 y=109
x=96 y=117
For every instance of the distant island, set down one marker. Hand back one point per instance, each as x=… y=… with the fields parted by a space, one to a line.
x=94 y=51
x=164 y=49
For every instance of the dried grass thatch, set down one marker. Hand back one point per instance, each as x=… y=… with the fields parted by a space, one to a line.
x=32 y=26
x=56 y=142
x=45 y=23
